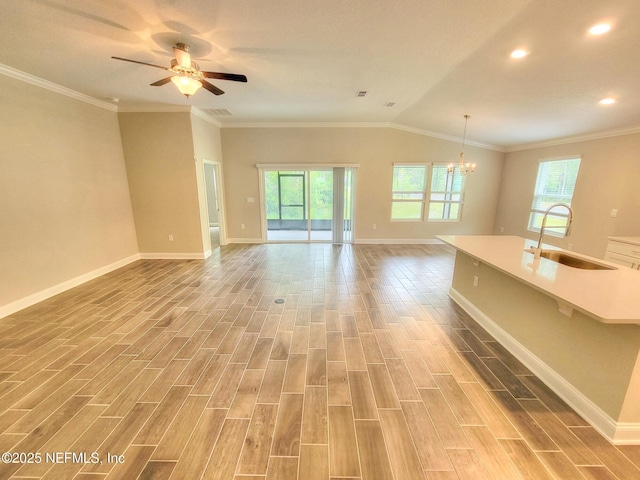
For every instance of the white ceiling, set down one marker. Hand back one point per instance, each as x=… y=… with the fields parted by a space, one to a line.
x=306 y=59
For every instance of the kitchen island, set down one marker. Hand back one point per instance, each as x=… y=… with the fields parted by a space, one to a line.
x=576 y=329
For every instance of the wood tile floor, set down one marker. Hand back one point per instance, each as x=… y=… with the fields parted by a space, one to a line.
x=190 y=369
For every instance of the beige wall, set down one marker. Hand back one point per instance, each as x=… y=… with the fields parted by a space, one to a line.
x=64 y=201
x=608 y=179
x=162 y=172
x=375 y=150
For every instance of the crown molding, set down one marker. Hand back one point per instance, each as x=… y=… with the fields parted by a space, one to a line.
x=54 y=87
x=151 y=108
x=576 y=138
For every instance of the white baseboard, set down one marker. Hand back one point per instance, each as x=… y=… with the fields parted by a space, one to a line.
x=29 y=300
x=618 y=433
x=396 y=241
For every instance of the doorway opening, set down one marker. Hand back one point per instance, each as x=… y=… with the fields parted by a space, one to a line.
x=212 y=181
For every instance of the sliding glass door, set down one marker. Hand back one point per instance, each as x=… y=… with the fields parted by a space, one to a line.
x=308 y=205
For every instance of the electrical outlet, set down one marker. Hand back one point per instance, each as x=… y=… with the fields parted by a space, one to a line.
x=171 y=238
x=242 y=226
x=475 y=280
x=570 y=246
x=501 y=229
x=614 y=212
x=375 y=226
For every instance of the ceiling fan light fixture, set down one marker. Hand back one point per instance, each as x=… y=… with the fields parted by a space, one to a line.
x=186 y=74
x=187 y=85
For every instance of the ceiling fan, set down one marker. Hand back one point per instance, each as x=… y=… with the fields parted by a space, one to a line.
x=186 y=74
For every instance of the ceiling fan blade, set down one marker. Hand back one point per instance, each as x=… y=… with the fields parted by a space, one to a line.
x=159 y=83
x=141 y=63
x=225 y=76
x=212 y=88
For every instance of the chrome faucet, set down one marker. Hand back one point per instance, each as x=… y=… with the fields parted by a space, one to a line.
x=537 y=250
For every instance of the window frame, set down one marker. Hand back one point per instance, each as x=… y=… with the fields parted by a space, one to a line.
x=460 y=202
x=552 y=230
x=424 y=192
x=426 y=201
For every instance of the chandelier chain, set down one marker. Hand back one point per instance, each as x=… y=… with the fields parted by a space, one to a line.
x=463 y=168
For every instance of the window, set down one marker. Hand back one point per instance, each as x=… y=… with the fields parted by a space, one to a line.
x=555 y=184
x=408 y=192
x=445 y=200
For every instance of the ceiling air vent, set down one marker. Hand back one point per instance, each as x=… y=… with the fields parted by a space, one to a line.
x=389 y=104
x=361 y=93
x=219 y=111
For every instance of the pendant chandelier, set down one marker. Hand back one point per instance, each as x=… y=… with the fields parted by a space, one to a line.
x=463 y=168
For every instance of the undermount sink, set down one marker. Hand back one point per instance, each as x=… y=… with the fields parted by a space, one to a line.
x=572 y=260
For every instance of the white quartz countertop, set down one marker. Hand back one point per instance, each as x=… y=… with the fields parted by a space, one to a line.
x=610 y=296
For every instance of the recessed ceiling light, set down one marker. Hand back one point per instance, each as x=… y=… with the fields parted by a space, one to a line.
x=519 y=53
x=600 y=29
x=607 y=101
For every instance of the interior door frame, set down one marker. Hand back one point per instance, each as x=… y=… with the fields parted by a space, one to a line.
x=222 y=219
